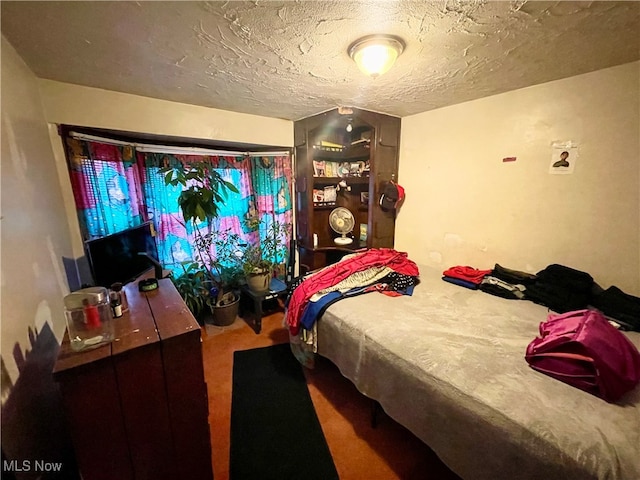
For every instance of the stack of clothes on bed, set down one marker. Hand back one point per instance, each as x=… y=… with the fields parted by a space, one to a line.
x=381 y=270
x=557 y=287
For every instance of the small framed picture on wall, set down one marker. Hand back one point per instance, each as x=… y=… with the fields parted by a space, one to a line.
x=564 y=156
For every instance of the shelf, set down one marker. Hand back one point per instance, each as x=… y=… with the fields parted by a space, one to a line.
x=333 y=180
x=356 y=245
x=329 y=155
x=355 y=152
x=324 y=205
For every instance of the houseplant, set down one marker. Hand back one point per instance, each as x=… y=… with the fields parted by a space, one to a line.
x=204 y=190
x=260 y=259
x=222 y=251
x=191 y=286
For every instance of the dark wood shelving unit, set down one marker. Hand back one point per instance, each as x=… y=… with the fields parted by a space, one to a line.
x=374 y=160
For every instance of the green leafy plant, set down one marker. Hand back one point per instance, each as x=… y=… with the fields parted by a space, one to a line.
x=204 y=190
x=270 y=252
x=222 y=253
x=191 y=286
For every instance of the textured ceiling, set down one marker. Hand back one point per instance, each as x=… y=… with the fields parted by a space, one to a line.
x=289 y=59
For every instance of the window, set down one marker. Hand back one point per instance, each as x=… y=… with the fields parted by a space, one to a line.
x=118 y=185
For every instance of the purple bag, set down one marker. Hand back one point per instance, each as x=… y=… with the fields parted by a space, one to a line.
x=583 y=349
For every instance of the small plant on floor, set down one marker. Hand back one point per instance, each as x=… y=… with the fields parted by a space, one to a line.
x=191 y=286
x=222 y=253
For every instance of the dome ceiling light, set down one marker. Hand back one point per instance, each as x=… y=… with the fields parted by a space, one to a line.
x=376 y=54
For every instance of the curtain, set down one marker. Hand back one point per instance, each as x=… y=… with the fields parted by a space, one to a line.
x=116 y=188
x=106 y=186
x=271 y=180
x=175 y=239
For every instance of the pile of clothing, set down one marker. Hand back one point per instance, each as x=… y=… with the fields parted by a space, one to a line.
x=558 y=287
x=502 y=282
x=381 y=270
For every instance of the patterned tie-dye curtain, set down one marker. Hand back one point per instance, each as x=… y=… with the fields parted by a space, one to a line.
x=175 y=238
x=264 y=196
x=117 y=188
x=106 y=186
x=271 y=180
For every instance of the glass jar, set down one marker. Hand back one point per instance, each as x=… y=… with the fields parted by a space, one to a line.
x=89 y=318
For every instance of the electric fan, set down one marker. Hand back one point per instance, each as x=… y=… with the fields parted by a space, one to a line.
x=341 y=221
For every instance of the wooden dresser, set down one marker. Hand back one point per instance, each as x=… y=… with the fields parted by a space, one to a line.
x=137 y=408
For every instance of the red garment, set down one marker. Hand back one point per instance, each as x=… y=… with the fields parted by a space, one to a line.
x=468 y=274
x=375 y=257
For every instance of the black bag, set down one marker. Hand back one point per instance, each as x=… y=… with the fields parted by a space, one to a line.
x=620 y=306
x=567 y=277
x=561 y=288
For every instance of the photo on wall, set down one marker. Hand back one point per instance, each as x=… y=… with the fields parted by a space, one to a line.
x=564 y=156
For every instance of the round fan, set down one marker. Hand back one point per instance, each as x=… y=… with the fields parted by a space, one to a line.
x=342 y=222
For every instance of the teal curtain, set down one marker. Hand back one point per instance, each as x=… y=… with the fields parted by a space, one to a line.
x=106 y=186
x=271 y=181
x=175 y=239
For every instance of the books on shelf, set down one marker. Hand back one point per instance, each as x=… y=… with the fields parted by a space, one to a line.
x=324 y=197
x=319 y=168
x=325 y=169
x=329 y=168
x=330 y=194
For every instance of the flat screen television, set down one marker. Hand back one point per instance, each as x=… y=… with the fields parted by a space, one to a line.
x=115 y=258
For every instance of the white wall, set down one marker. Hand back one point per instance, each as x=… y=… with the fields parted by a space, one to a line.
x=464 y=206
x=34 y=235
x=92 y=107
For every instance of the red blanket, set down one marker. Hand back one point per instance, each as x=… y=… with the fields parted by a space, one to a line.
x=375 y=257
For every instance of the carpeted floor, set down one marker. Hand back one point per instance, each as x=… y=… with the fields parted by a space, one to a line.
x=387 y=452
x=275 y=433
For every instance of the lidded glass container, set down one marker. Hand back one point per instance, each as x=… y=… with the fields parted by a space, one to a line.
x=89 y=318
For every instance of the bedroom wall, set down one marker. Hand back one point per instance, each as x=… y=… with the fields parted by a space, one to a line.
x=465 y=206
x=93 y=107
x=34 y=240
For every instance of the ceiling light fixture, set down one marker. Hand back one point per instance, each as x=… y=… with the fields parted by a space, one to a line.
x=376 y=54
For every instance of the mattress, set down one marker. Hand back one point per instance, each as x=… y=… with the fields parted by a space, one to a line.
x=448 y=364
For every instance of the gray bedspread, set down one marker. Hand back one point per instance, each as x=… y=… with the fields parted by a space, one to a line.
x=448 y=363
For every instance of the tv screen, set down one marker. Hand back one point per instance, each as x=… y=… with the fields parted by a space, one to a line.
x=115 y=258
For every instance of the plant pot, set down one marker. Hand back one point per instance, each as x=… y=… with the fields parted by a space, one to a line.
x=224 y=313
x=258 y=282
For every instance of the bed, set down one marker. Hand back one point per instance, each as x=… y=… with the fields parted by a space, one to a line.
x=448 y=364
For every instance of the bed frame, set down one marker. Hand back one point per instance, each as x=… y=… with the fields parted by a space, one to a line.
x=448 y=364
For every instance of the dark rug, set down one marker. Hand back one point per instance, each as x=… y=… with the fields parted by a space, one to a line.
x=275 y=433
